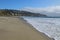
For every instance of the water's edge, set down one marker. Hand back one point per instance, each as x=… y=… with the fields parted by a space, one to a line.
x=35 y=28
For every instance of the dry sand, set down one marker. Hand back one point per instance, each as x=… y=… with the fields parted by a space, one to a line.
x=17 y=29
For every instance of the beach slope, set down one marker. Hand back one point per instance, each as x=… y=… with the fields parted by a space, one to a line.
x=12 y=28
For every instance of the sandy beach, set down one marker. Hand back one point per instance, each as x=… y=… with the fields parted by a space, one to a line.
x=12 y=28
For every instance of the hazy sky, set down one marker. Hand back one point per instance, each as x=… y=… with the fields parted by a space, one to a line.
x=16 y=4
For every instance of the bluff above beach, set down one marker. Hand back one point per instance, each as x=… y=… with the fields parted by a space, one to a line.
x=9 y=12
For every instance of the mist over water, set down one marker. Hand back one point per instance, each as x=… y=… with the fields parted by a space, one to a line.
x=49 y=26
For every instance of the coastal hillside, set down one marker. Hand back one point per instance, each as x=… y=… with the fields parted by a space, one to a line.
x=9 y=12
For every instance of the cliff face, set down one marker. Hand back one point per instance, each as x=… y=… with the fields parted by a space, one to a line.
x=6 y=12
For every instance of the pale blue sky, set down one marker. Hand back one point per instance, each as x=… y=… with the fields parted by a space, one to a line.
x=16 y=4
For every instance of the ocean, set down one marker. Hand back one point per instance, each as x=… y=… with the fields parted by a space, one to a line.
x=49 y=26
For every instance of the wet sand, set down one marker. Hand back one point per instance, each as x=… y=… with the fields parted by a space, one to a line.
x=12 y=28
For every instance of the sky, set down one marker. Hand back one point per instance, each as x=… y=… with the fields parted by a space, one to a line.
x=18 y=4
x=48 y=7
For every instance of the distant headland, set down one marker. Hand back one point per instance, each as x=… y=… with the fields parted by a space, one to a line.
x=10 y=12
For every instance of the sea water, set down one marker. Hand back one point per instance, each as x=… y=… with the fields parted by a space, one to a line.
x=49 y=26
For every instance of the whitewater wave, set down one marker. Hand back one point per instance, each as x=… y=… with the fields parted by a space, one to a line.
x=49 y=26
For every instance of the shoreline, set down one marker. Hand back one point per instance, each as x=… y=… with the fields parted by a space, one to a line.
x=16 y=28
x=35 y=28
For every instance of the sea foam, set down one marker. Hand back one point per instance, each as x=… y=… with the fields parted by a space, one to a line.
x=49 y=26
